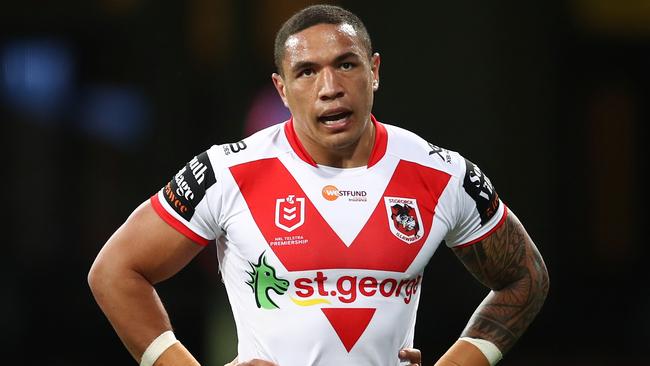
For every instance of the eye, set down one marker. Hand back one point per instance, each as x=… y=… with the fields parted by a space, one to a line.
x=306 y=72
x=347 y=66
x=267 y=274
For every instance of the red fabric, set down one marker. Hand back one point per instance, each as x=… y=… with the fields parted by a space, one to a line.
x=175 y=223
x=501 y=221
x=381 y=142
x=378 y=148
x=349 y=323
x=295 y=143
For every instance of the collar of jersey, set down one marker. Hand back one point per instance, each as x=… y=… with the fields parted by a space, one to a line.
x=378 y=148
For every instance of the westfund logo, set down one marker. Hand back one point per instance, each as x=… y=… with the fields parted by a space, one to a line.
x=188 y=186
x=331 y=193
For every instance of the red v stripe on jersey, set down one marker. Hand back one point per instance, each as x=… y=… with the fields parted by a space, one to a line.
x=264 y=181
x=349 y=323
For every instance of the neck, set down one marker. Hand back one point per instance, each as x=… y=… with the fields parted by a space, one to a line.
x=353 y=155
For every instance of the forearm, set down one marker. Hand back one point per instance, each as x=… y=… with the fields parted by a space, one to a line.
x=504 y=315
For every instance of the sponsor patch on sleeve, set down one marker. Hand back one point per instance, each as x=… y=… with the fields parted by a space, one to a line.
x=443 y=154
x=188 y=187
x=478 y=186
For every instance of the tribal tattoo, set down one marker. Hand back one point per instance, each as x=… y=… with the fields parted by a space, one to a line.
x=508 y=263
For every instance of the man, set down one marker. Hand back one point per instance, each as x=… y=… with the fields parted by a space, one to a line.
x=324 y=225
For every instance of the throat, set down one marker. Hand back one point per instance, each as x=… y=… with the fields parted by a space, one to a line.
x=351 y=156
x=339 y=150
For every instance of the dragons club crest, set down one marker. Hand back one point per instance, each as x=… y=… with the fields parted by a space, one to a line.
x=262 y=280
x=404 y=218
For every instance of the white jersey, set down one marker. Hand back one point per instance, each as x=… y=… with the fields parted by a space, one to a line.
x=323 y=266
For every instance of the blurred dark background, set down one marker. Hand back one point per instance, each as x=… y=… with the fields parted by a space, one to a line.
x=103 y=101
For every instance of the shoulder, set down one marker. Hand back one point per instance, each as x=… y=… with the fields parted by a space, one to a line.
x=195 y=179
x=260 y=145
x=475 y=190
x=409 y=146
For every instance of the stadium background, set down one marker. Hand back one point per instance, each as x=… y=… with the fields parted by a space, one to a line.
x=102 y=102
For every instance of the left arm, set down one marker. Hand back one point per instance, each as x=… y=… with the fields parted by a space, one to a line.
x=511 y=266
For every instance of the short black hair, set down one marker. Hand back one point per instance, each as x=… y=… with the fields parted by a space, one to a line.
x=313 y=15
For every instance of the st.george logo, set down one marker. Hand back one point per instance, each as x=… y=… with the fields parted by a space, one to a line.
x=289 y=212
x=404 y=218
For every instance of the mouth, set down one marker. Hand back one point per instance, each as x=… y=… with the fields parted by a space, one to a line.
x=282 y=287
x=334 y=117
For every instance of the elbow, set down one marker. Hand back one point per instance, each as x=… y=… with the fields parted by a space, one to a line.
x=111 y=273
x=539 y=277
x=96 y=277
x=544 y=281
x=103 y=276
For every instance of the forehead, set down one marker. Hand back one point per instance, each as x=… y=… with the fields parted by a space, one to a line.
x=322 y=41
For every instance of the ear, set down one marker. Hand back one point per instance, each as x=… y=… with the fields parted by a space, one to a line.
x=278 y=82
x=376 y=61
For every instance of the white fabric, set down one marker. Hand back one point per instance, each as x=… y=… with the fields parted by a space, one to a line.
x=489 y=349
x=157 y=347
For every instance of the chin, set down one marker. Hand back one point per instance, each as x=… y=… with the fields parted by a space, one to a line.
x=340 y=141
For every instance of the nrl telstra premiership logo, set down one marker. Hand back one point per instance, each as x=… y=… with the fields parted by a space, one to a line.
x=263 y=279
x=289 y=212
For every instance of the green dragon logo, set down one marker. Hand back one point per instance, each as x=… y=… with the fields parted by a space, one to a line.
x=262 y=280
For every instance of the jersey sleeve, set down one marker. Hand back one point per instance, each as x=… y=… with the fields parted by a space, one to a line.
x=479 y=210
x=190 y=201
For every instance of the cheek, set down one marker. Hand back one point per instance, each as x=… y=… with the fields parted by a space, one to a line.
x=298 y=98
x=367 y=92
x=364 y=85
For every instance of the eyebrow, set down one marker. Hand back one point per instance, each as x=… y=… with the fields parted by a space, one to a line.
x=309 y=64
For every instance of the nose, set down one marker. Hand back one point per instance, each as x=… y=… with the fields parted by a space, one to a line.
x=330 y=87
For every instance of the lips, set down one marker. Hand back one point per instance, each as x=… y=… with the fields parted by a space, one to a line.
x=334 y=115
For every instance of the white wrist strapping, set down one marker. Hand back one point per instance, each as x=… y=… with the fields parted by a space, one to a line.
x=157 y=347
x=489 y=349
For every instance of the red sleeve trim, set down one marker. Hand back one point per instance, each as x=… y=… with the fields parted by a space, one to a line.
x=175 y=223
x=498 y=225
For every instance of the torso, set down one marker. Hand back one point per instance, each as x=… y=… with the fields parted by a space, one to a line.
x=323 y=266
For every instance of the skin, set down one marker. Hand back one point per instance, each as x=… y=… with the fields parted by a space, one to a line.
x=508 y=263
x=412 y=355
x=326 y=70
x=141 y=253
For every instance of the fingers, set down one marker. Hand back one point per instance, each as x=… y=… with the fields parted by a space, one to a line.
x=412 y=355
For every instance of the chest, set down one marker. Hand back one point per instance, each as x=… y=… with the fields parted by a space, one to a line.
x=373 y=220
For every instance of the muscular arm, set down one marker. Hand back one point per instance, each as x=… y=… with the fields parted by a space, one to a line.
x=142 y=252
x=509 y=264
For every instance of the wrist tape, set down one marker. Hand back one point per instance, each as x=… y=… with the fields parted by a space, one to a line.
x=157 y=347
x=489 y=349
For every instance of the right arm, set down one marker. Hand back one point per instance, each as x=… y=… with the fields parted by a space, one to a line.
x=141 y=253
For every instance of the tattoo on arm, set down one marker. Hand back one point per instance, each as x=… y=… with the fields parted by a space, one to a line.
x=508 y=263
